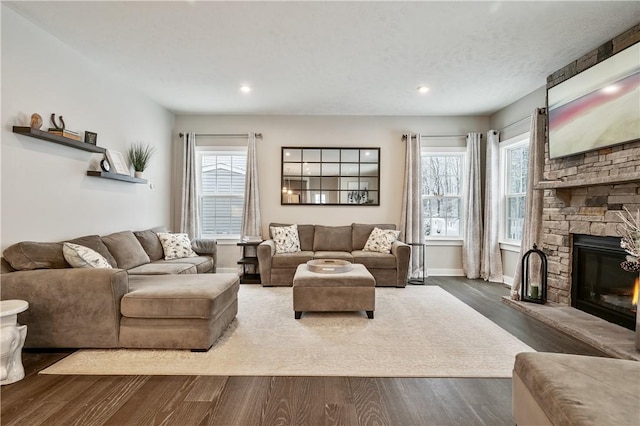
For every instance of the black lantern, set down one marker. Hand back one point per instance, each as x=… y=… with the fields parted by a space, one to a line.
x=534 y=283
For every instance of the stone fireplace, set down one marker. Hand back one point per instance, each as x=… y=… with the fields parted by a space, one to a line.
x=584 y=192
x=584 y=206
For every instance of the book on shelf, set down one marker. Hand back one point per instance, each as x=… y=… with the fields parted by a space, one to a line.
x=65 y=133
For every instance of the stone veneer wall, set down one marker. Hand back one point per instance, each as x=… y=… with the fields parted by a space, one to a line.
x=605 y=181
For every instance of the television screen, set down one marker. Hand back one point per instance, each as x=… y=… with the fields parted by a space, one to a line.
x=596 y=108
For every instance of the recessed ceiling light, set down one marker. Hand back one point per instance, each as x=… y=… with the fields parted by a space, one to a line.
x=423 y=89
x=245 y=88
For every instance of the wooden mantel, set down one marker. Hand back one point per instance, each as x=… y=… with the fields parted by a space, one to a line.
x=581 y=183
x=562 y=188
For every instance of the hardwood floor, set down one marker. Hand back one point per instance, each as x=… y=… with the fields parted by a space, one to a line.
x=222 y=400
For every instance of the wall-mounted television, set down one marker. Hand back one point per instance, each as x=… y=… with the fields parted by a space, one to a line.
x=596 y=108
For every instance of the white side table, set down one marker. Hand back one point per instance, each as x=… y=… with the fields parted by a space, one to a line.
x=11 y=340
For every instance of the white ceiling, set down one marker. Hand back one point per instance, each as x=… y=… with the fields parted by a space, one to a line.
x=333 y=58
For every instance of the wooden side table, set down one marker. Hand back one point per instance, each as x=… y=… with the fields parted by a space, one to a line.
x=249 y=261
x=12 y=339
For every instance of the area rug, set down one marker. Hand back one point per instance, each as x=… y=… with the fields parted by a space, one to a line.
x=418 y=331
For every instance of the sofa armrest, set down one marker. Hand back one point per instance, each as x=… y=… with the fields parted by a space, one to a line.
x=402 y=252
x=266 y=250
x=69 y=308
x=206 y=247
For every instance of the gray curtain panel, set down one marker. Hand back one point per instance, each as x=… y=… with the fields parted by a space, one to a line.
x=411 y=221
x=491 y=267
x=532 y=232
x=190 y=207
x=251 y=220
x=472 y=213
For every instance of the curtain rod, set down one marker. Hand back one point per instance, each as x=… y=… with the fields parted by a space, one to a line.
x=404 y=137
x=225 y=135
x=515 y=123
x=523 y=119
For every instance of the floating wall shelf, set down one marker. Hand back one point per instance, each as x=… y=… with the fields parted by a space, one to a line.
x=115 y=176
x=50 y=137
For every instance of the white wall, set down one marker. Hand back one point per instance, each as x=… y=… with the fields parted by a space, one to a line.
x=514 y=113
x=324 y=131
x=46 y=195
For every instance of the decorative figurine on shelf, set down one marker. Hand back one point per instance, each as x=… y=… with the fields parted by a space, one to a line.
x=53 y=121
x=90 y=137
x=36 y=121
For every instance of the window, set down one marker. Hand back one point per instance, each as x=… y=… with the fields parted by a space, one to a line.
x=222 y=177
x=514 y=161
x=442 y=193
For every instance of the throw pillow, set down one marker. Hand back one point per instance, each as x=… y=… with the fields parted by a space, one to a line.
x=381 y=240
x=176 y=246
x=126 y=249
x=286 y=238
x=83 y=257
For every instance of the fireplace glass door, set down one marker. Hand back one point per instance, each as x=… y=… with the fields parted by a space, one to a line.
x=600 y=286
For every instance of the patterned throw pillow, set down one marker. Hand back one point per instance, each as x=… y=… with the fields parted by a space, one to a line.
x=83 y=257
x=286 y=239
x=176 y=246
x=381 y=240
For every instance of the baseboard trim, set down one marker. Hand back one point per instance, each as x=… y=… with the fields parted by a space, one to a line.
x=432 y=272
x=507 y=280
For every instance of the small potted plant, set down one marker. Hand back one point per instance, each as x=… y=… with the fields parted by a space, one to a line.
x=139 y=155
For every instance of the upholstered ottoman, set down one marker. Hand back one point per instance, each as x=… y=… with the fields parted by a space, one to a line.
x=562 y=389
x=333 y=292
x=177 y=311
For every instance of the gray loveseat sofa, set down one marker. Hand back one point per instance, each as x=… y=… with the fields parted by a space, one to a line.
x=335 y=242
x=145 y=301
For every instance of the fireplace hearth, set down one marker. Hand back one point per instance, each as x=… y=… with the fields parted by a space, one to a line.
x=599 y=285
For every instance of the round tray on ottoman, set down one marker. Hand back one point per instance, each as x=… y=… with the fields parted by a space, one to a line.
x=329 y=266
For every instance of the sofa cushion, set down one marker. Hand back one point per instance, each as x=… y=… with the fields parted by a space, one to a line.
x=373 y=260
x=157 y=268
x=188 y=296
x=361 y=232
x=305 y=235
x=94 y=242
x=207 y=246
x=342 y=255
x=83 y=257
x=176 y=246
x=381 y=240
x=126 y=249
x=5 y=267
x=332 y=238
x=291 y=260
x=151 y=243
x=28 y=255
x=203 y=264
x=286 y=239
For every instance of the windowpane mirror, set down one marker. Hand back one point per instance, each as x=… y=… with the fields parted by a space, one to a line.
x=330 y=176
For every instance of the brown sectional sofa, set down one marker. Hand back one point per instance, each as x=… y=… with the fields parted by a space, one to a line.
x=143 y=302
x=335 y=242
